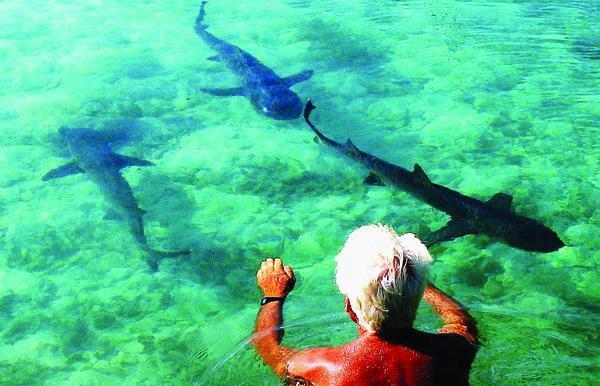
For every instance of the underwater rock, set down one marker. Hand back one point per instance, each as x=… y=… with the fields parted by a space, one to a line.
x=587 y=47
x=103 y=319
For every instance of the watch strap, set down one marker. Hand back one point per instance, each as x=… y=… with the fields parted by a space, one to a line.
x=269 y=299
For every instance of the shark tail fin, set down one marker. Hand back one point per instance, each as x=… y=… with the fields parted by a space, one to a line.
x=320 y=138
x=199 y=26
x=155 y=256
x=420 y=175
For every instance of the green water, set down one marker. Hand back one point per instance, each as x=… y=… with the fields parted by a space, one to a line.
x=487 y=96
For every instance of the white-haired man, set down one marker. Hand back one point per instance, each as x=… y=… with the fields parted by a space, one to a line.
x=383 y=277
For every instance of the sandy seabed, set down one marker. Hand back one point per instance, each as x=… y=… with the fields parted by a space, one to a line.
x=487 y=97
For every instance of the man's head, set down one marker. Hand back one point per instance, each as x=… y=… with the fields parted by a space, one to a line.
x=383 y=276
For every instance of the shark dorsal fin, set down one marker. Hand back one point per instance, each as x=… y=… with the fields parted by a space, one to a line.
x=351 y=146
x=420 y=174
x=501 y=201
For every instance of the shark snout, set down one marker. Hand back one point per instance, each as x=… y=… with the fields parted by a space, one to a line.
x=67 y=131
x=283 y=108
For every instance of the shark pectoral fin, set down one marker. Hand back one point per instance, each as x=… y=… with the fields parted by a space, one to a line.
x=452 y=230
x=112 y=214
x=373 y=179
x=501 y=201
x=214 y=58
x=234 y=91
x=123 y=161
x=297 y=78
x=62 y=171
x=154 y=256
x=420 y=175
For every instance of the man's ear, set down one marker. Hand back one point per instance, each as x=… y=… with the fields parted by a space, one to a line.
x=350 y=312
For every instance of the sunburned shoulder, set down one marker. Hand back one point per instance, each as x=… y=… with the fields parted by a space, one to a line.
x=333 y=365
x=321 y=366
x=397 y=357
x=360 y=362
x=314 y=360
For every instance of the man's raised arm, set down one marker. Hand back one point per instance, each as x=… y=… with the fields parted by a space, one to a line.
x=456 y=318
x=276 y=282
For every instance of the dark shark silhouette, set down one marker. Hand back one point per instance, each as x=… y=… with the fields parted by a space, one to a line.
x=93 y=156
x=494 y=218
x=269 y=93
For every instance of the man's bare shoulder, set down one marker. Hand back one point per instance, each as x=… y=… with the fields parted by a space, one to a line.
x=315 y=363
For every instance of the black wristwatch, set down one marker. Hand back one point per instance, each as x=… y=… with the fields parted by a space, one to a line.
x=269 y=299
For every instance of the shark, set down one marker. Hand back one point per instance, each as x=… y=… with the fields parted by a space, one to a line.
x=494 y=217
x=269 y=93
x=93 y=155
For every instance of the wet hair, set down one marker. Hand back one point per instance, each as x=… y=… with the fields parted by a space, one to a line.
x=383 y=275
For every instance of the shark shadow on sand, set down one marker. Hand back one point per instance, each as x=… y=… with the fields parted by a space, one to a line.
x=93 y=155
x=494 y=218
x=268 y=92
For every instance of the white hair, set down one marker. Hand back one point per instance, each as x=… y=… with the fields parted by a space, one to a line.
x=383 y=275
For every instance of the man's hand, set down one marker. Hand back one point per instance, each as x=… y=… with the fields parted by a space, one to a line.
x=275 y=279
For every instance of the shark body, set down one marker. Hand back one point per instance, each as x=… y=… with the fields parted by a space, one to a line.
x=268 y=92
x=494 y=218
x=93 y=156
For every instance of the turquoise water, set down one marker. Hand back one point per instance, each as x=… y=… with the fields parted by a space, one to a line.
x=487 y=96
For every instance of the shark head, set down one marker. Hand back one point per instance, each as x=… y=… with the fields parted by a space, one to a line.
x=279 y=103
x=89 y=147
x=79 y=137
x=531 y=235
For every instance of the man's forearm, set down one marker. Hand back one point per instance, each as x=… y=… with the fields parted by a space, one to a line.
x=268 y=335
x=451 y=312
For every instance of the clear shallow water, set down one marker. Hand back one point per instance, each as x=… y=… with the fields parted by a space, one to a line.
x=486 y=96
